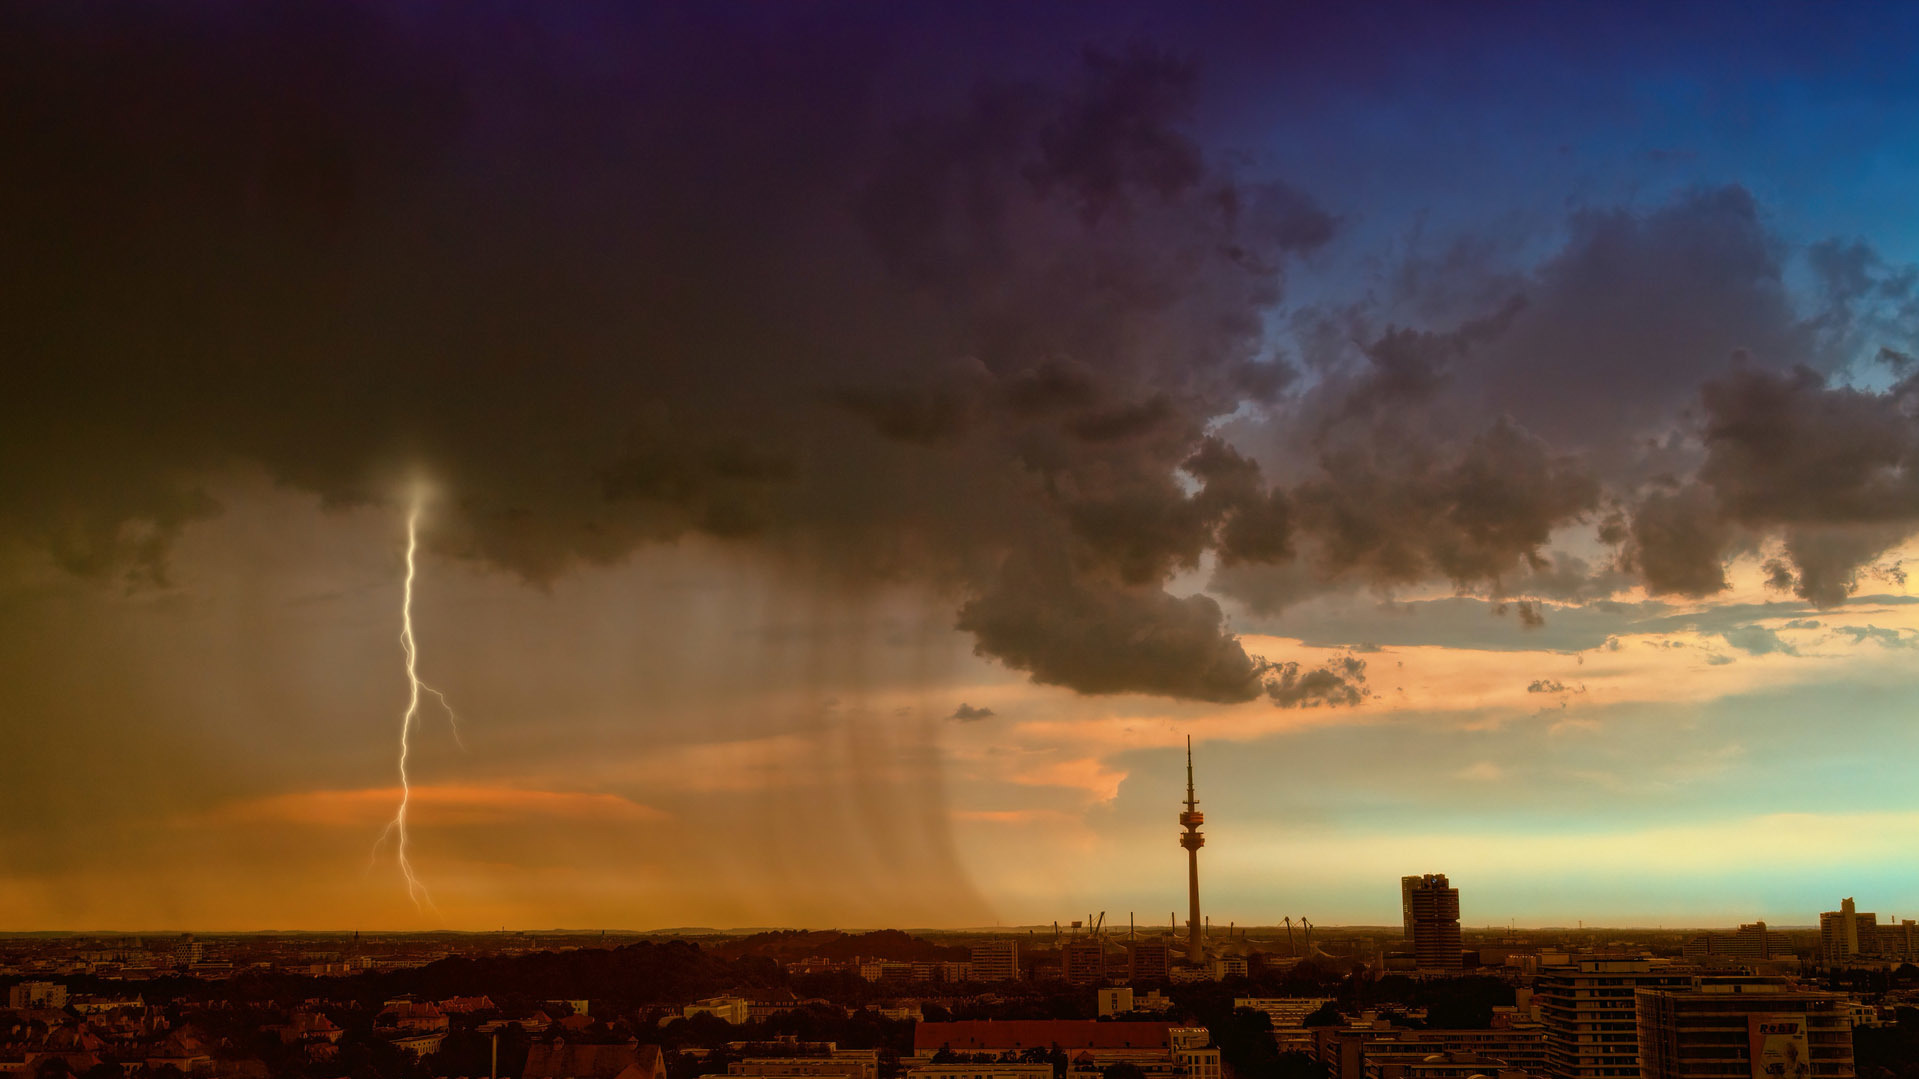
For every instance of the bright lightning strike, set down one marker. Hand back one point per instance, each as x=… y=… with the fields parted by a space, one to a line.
x=416 y=889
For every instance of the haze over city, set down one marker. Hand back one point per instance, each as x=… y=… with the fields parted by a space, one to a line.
x=829 y=460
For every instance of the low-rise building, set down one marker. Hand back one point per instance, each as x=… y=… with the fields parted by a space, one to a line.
x=997 y=1070
x=1752 y=941
x=37 y=995
x=1355 y=1052
x=732 y=1009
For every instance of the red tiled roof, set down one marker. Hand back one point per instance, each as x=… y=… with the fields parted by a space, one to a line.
x=991 y=1035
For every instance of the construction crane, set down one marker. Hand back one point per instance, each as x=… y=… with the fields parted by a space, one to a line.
x=1099 y=925
x=1291 y=948
x=1307 y=928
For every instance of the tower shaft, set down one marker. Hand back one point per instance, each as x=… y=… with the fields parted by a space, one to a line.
x=1194 y=839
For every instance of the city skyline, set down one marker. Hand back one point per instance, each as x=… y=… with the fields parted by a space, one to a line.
x=835 y=462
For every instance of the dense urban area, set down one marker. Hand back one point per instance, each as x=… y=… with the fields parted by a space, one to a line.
x=1424 y=1000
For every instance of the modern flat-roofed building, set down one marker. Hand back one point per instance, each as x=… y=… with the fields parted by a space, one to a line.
x=801 y=1066
x=1431 y=907
x=37 y=995
x=980 y=1071
x=996 y=961
x=1743 y=1028
x=1590 y=1016
x=1752 y=941
x=1082 y=961
x=1356 y=1052
x=1845 y=933
x=1149 y=961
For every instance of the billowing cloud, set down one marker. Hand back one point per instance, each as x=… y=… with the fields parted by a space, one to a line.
x=1014 y=336
x=927 y=336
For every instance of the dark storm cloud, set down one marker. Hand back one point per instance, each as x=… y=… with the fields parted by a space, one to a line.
x=1655 y=381
x=1389 y=510
x=613 y=276
x=616 y=276
x=1829 y=469
x=1069 y=630
x=966 y=713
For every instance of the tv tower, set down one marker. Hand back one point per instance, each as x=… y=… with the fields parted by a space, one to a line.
x=1192 y=841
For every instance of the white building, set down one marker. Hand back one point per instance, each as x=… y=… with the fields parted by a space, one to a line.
x=37 y=995
x=1191 y=1052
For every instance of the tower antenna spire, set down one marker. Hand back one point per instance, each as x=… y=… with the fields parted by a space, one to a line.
x=1190 y=802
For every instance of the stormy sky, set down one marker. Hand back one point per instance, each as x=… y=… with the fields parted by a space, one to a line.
x=857 y=446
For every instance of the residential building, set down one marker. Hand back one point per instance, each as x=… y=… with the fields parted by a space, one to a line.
x=1752 y=941
x=1846 y=933
x=420 y=1045
x=37 y=995
x=1083 y=960
x=887 y=971
x=1115 y=1001
x=1288 y=1015
x=411 y=1017
x=1431 y=906
x=188 y=951
x=980 y=1071
x=1193 y=1052
x=1588 y=1011
x=996 y=961
x=1361 y=1050
x=799 y=1066
x=731 y=1009
x=1148 y=961
x=1743 y=1028
x=1228 y=966
x=1446 y=1064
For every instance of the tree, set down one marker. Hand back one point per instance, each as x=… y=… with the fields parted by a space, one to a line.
x=1326 y=1015
x=1298 y=1065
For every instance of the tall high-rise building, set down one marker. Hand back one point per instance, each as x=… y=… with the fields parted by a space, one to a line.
x=1082 y=960
x=996 y=961
x=1149 y=961
x=1406 y=886
x=1592 y=1027
x=1743 y=1028
x=1432 y=915
x=1845 y=932
x=1192 y=840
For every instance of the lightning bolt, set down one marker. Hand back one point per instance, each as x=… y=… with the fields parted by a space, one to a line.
x=416 y=889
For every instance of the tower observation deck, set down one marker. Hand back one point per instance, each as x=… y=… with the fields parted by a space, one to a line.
x=1192 y=840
